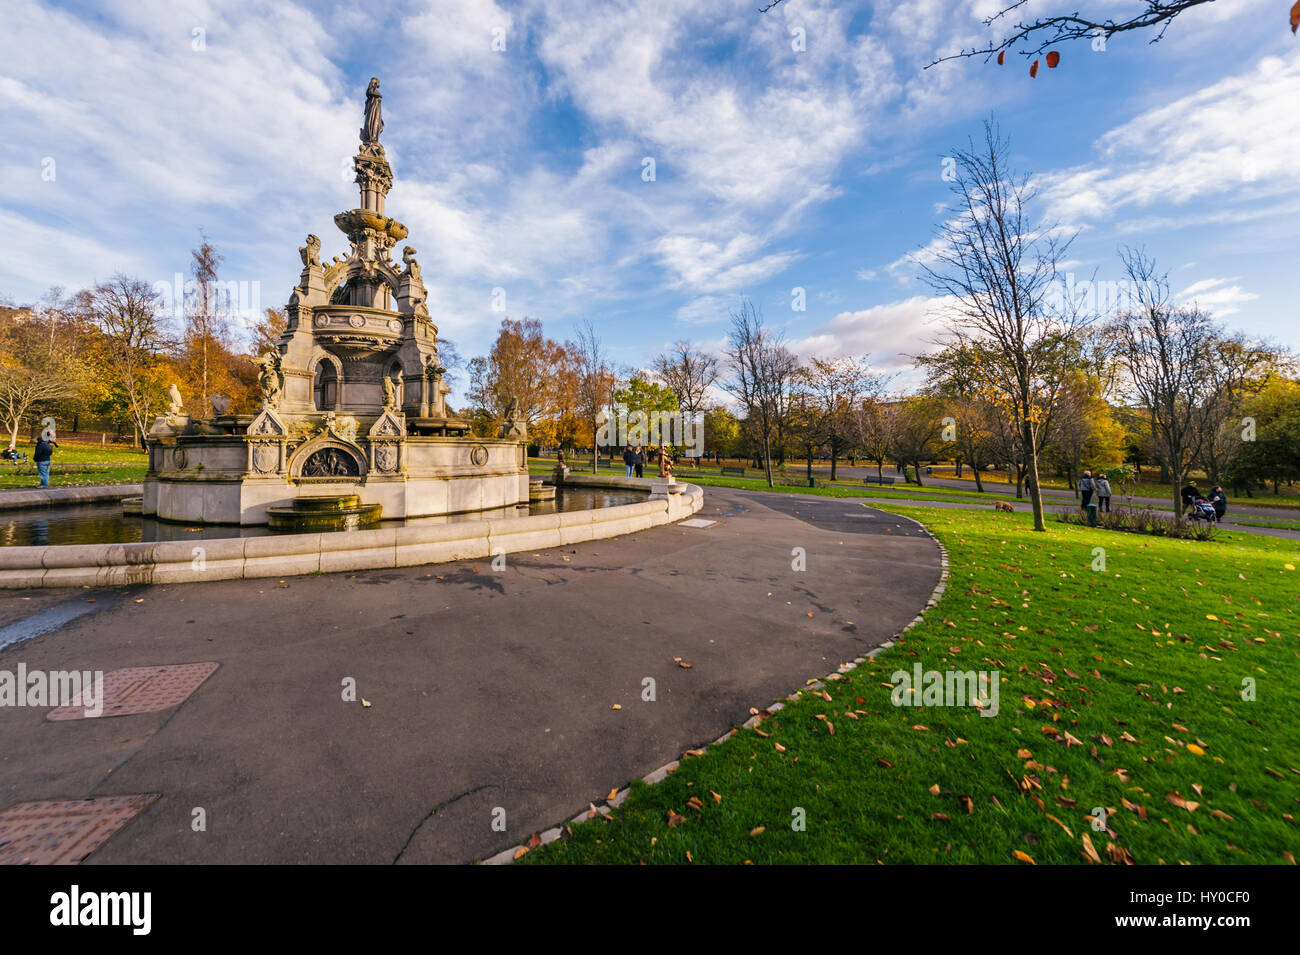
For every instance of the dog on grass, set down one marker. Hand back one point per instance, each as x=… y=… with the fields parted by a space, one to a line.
x=1003 y=506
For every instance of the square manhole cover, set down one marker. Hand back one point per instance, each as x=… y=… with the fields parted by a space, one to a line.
x=141 y=690
x=698 y=522
x=64 y=833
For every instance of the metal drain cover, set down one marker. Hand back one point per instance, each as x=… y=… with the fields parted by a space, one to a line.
x=142 y=690
x=64 y=833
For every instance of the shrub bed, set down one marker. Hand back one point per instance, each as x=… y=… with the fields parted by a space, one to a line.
x=1143 y=520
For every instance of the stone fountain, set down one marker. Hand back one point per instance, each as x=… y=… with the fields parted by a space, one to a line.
x=353 y=399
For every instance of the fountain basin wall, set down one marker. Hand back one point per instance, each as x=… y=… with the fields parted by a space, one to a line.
x=166 y=562
x=25 y=499
x=214 y=480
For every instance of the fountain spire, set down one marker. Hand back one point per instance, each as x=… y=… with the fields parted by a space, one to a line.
x=374 y=175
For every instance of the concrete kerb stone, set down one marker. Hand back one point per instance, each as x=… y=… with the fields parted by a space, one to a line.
x=291 y=554
x=281 y=556
x=58 y=496
x=507 y=856
x=468 y=540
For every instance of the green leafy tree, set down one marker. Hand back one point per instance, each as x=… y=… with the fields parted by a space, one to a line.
x=641 y=401
x=1269 y=452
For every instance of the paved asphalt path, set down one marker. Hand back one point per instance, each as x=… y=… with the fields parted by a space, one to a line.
x=487 y=689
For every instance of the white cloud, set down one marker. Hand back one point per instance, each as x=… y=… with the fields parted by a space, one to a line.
x=886 y=334
x=705 y=310
x=701 y=263
x=1216 y=296
x=1229 y=140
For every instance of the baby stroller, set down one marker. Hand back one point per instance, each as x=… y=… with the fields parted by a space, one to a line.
x=1203 y=510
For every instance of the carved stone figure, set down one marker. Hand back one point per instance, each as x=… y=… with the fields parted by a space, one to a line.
x=665 y=463
x=176 y=405
x=220 y=404
x=271 y=378
x=386 y=457
x=330 y=462
x=412 y=266
x=514 y=427
x=310 y=253
x=374 y=121
x=393 y=391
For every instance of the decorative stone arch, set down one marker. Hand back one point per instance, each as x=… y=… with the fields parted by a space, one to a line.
x=337 y=276
x=344 y=461
x=321 y=356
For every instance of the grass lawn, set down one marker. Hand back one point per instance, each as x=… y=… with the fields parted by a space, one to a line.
x=76 y=465
x=1119 y=689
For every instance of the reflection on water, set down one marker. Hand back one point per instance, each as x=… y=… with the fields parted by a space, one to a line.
x=106 y=524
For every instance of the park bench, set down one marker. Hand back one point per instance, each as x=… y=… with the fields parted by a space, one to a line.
x=733 y=472
x=878 y=480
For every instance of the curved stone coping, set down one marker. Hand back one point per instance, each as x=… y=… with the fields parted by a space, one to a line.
x=60 y=496
x=168 y=562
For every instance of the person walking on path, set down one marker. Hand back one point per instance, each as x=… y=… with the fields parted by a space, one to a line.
x=1189 y=494
x=629 y=460
x=1219 y=501
x=44 y=451
x=1103 y=493
x=1086 y=487
x=638 y=460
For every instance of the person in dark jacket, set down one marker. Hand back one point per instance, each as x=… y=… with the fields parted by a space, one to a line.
x=1086 y=487
x=1219 y=501
x=44 y=451
x=1189 y=494
x=639 y=460
x=629 y=460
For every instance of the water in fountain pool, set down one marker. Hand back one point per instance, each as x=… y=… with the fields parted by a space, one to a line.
x=106 y=524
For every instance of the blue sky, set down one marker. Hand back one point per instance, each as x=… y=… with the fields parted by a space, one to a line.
x=522 y=168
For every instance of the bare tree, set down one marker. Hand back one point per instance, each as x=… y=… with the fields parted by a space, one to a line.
x=595 y=390
x=836 y=389
x=1169 y=358
x=999 y=268
x=1035 y=36
x=876 y=422
x=762 y=373
x=689 y=372
x=206 y=318
x=126 y=311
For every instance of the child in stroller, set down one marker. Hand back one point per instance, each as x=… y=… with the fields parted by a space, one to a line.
x=1203 y=510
